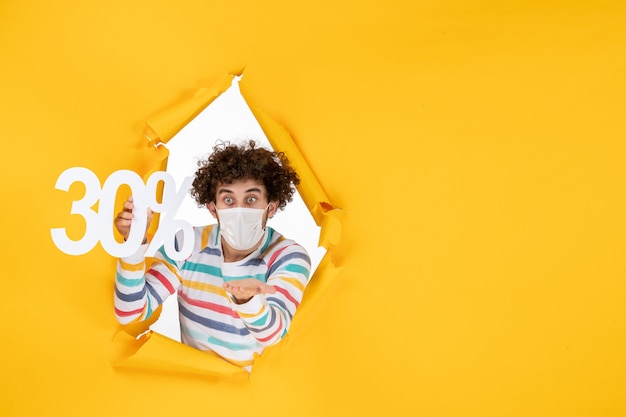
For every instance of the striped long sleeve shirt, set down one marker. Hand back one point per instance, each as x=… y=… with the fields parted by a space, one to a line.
x=209 y=319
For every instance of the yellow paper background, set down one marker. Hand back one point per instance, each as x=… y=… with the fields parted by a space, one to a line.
x=477 y=149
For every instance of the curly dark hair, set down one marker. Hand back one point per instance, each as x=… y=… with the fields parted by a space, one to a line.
x=230 y=162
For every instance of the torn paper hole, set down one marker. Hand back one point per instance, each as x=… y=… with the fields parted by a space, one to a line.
x=154 y=351
x=228 y=118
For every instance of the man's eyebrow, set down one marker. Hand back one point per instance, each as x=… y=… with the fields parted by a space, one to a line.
x=249 y=190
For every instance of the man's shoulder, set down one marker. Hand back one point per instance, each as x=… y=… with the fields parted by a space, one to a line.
x=279 y=243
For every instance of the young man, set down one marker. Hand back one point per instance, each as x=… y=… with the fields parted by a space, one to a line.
x=242 y=284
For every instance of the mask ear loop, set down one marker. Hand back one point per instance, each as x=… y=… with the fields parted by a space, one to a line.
x=214 y=212
x=268 y=215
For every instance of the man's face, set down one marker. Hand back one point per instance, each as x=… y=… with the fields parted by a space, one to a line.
x=248 y=194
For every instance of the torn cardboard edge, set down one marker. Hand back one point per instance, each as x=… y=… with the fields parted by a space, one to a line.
x=137 y=347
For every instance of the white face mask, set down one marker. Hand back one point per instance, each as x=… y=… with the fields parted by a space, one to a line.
x=241 y=227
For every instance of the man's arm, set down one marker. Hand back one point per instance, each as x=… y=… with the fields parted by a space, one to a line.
x=137 y=292
x=269 y=313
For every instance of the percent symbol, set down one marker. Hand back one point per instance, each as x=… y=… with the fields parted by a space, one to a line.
x=178 y=246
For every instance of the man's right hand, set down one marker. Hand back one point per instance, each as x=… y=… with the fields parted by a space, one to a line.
x=124 y=218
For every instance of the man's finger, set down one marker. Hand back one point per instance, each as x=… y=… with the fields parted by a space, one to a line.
x=125 y=215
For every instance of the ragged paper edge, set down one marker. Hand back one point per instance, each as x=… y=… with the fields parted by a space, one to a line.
x=137 y=347
x=163 y=126
x=159 y=353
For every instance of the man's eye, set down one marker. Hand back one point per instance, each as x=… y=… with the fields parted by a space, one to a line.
x=228 y=200
x=251 y=200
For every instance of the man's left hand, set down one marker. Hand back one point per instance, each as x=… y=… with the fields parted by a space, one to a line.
x=243 y=290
